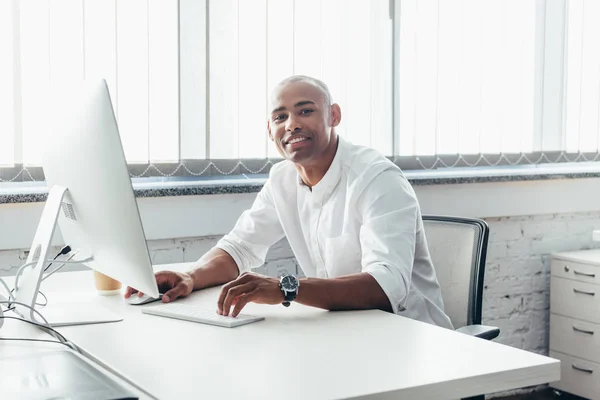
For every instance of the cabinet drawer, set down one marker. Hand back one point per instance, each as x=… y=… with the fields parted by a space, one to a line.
x=575 y=299
x=574 y=337
x=577 y=376
x=576 y=271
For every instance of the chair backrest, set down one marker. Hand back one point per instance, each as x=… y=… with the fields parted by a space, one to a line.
x=458 y=247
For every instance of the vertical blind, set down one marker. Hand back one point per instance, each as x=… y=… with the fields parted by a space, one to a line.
x=147 y=50
x=466 y=76
x=133 y=44
x=7 y=73
x=583 y=77
x=255 y=44
x=490 y=77
x=190 y=79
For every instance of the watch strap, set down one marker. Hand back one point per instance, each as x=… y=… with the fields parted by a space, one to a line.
x=290 y=296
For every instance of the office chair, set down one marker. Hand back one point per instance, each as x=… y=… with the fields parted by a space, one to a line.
x=458 y=247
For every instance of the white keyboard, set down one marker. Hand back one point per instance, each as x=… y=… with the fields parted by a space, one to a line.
x=199 y=314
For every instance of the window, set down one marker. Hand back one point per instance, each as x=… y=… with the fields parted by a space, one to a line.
x=512 y=81
x=192 y=83
x=582 y=77
x=7 y=104
x=133 y=44
x=255 y=44
x=441 y=80
x=466 y=75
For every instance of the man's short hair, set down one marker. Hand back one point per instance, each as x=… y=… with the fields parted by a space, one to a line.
x=309 y=79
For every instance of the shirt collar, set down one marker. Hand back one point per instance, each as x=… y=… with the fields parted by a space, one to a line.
x=332 y=176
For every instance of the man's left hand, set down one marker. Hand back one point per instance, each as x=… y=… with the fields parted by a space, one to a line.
x=248 y=287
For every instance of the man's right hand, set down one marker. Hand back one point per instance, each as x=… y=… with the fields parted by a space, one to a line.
x=172 y=284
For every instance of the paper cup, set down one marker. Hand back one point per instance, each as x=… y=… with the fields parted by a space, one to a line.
x=106 y=285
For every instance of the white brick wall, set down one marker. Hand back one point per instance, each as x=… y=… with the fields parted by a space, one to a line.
x=279 y=258
x=517 y=281
x=516 y=291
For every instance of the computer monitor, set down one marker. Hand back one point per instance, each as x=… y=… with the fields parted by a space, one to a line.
x=90 y=196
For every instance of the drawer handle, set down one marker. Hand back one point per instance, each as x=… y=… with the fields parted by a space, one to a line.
x=584 y=274
x=582 y=330
x=589 y=371
x=583 y=292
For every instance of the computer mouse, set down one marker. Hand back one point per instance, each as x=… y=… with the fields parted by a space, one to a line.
x=136 y=300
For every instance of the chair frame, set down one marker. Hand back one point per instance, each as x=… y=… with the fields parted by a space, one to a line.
x=476 y=292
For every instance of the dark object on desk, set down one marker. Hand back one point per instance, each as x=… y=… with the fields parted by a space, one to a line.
x=57 y=375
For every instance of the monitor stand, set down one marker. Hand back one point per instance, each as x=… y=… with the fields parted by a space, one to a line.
x=56 y=313
x=77 y=312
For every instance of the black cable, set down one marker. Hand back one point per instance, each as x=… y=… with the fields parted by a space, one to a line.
x=62 y=340
x=63 y=251
x=38 y=325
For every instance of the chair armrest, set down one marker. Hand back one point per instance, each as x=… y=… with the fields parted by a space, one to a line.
x=480 y=331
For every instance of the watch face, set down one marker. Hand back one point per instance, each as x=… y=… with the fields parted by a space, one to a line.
x=289 y=283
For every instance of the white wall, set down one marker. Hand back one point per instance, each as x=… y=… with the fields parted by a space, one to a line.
x=208 y=215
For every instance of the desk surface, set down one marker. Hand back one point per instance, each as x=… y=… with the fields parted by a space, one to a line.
x=10 y=384
x=296 y=353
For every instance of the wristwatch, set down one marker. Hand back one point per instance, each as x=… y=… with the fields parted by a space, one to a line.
x=289 y=286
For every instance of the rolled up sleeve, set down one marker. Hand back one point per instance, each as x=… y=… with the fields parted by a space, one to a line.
x=389 y=210
x=254 y=233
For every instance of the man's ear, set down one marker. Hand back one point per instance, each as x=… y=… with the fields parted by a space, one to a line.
x=335 y=114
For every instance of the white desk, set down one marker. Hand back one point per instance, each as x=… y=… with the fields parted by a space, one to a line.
x=298 y=353
x=23 y=349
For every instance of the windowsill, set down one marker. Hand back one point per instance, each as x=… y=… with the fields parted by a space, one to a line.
x=31 y=192
x=505 y=173
x=177 y=208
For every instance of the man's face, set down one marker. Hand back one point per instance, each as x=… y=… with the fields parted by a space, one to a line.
x=301 y=122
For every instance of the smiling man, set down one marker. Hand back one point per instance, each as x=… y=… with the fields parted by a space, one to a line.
x=348 y=213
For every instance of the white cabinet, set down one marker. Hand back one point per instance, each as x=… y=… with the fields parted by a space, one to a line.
x=575 y=321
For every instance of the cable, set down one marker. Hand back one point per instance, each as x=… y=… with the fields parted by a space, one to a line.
x=8 y=291
x=20 y=270
x=67 y=261
x=47 y=328
x=37 y=340
x=25 y=305
x=46 y=325
x=45 y=299
x=63 y=251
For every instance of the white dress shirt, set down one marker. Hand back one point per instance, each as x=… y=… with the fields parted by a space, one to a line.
x=363 y=216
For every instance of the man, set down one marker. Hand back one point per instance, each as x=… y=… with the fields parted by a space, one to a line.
x=349 y=215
